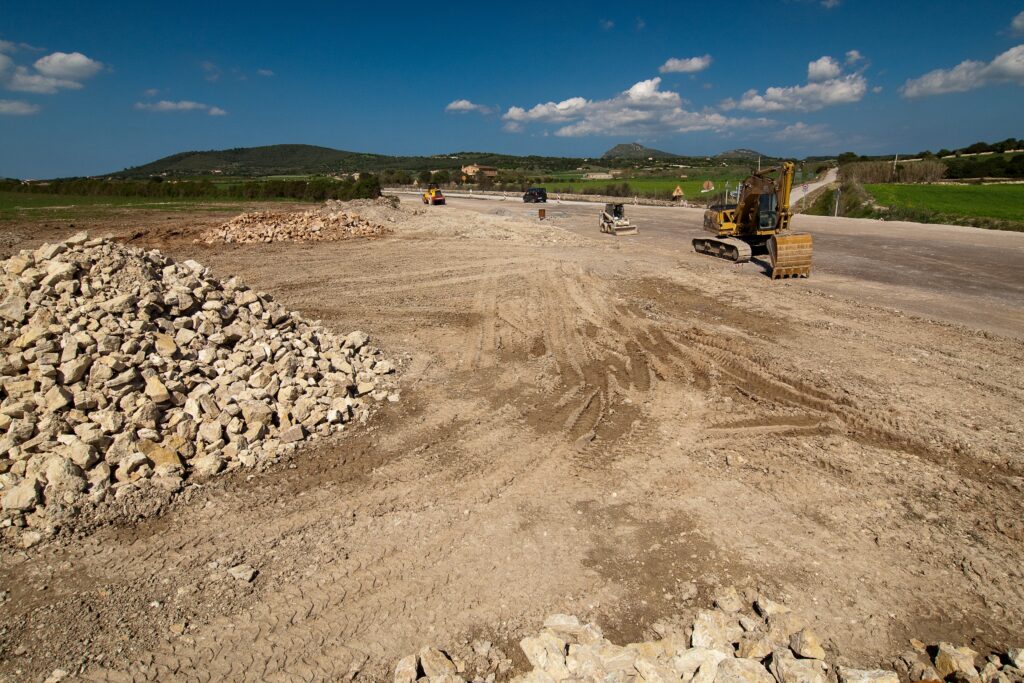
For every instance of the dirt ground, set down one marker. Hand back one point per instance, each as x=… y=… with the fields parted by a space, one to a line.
x=605 y=428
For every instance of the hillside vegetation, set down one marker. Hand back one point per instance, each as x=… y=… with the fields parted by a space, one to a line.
x=312 y=160
x=634 y=150
x=320 y=189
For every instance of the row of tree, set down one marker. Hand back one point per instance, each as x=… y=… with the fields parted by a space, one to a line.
x=986 y=167
x=979 y=147
x=318 y=189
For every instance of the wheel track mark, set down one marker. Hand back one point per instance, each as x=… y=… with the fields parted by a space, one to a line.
x=574 y=416
x=471 y=352
x=870 y=426
x=488 y=326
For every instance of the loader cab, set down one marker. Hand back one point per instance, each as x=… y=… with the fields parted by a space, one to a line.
x=615 y=210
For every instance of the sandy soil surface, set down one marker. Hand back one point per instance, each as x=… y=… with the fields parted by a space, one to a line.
x=605 y=427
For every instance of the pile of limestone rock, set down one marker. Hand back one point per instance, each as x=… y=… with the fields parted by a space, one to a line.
x=124 y=369
x=327 y=223
x=742 y=640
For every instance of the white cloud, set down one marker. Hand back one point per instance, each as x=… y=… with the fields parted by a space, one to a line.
x=801 y=132
x=466 y=106
x=182 y=105
x=54 y=72
x=641 y=109
x=17 y=107
x=549 y=112
x=648 y=92
x=823 y=69
x=73 y=66
x=853 y=56
x=1017 y=25
x=640 y=24
x=167 y=105
x=24 y=80
x=11 y=46
x=830 y=4
x=688 y=65
x=266 y=73
x=151 y=92
x=211 y=70
x=827 y=86
x=607 y=24
x=969 y=75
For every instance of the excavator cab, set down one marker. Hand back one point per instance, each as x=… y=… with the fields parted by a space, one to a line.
x=767 y=211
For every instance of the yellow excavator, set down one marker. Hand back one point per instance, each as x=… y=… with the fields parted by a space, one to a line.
x=759 y=221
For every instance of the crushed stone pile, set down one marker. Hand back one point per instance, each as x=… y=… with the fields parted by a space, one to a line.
x=122 y=370
x=744 y=639
x=327 y=223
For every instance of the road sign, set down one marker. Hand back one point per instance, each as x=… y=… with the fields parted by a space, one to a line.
x=678 y=192
x=805 y=187
x=707 y=186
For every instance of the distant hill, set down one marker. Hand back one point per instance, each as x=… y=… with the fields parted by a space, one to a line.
x=740 y=154
x=310 y=159
x=634 y=150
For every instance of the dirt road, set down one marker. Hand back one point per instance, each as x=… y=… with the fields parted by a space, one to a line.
x=605 y=428
x=960 y=274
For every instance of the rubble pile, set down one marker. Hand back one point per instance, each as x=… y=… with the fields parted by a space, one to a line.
x=327 y=223
x=122 y=369
x=745 y=639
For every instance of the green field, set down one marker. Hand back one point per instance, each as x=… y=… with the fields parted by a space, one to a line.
x=1003 y=202
x=661 y=187
x=35 y=206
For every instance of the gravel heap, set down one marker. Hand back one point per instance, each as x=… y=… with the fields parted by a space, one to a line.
x=122 y=369
x=748 y=639
x=327 y=223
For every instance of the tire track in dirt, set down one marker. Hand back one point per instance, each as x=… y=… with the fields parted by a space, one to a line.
x=334 y=622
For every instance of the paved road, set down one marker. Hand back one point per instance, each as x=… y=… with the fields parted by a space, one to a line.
x=798 y=192
x=964 y=275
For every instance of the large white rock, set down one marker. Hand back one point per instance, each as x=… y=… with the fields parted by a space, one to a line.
x=22 y=497
x=715 y=630
x=848 y=675
x=788 y=669
x=742 y=671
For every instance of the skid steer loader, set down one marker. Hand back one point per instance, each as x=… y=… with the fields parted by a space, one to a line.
x=759 y=222
x=614 y=222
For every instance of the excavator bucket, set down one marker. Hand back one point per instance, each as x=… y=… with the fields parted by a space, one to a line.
x=791 y=255
x=625 y=229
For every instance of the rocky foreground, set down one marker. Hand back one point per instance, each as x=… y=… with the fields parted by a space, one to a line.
x=745 y=639
x=124 y=372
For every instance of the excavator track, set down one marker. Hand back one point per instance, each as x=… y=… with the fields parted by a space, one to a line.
x=791 y=255
x=728 y=248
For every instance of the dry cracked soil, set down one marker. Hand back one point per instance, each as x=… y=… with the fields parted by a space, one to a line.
x=604 y=428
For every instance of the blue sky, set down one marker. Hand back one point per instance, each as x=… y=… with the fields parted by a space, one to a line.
x=92 y=87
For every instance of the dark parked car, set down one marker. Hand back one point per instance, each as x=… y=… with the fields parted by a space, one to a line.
x=535 y=195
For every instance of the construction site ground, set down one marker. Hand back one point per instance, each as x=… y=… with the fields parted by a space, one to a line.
x=606 y=427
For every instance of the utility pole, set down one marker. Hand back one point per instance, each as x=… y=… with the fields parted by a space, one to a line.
x=894 y=160
x=839 y=191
